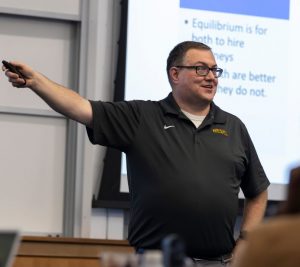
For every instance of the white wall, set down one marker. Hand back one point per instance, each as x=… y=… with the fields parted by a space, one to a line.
x=33 y=138
x=30 y=202
x=36 y=204
x=53 y=8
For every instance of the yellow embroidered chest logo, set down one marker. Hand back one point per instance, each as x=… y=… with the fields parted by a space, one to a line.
x=220 y=131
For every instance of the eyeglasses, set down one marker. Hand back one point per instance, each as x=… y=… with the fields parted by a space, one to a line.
x=204 y=70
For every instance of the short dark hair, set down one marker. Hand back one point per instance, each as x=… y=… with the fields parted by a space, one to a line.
x=178 y=52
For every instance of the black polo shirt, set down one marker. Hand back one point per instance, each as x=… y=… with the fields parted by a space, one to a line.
x=182 y=179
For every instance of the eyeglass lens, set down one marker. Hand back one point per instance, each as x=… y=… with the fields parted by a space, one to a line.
x=204 y=70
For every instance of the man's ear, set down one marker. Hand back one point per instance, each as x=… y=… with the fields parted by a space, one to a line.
x=173 y=73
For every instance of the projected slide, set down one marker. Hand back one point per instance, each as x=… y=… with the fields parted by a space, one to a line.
x=255 y=42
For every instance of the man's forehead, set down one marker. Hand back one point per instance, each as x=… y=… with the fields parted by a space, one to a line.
x=200 y=56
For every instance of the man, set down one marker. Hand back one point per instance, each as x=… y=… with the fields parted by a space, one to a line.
x=186 y=158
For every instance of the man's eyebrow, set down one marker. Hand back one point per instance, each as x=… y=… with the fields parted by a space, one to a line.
x=205 y=64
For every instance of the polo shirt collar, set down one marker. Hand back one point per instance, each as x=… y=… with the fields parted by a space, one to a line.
x=169 y=106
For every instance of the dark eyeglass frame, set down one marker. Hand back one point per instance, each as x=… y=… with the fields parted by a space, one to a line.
x=203 y=70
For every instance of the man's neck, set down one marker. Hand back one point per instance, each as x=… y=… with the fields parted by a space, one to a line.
x=196 y=108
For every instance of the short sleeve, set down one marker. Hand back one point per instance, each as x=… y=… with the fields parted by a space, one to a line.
x=114 y=123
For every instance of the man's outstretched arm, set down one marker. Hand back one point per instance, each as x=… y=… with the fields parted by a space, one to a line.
x=58 y=97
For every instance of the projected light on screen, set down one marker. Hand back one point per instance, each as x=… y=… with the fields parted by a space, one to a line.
x=255 y=42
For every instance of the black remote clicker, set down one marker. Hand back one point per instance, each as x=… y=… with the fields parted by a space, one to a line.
x=13 y=69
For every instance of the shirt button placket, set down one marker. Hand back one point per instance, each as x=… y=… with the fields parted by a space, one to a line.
x=196 y=137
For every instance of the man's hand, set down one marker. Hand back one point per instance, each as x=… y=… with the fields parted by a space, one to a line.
x=17 y=80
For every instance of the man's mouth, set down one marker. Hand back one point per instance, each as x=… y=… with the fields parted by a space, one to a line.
x=209 y=86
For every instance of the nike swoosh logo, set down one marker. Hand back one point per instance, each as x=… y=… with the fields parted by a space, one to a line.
x=168 y=126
